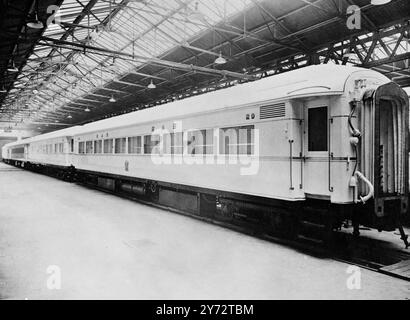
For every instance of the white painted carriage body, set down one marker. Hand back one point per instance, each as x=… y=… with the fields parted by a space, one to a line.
x=287 y=170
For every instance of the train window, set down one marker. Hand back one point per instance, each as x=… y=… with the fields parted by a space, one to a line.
x=200 y=142
x=134 y=145
x=209 y=141
x=166 y=143
x=228 y=141
x=237 y=140
x=108 y=144
x=317 y=129
x=192 y=138
x=56 y=148
x=120 y=145
x=89 y=147
x=17 y=152
x=177 y=146
x=247 y=141
x=61 y=147
x=81 y=147
x=98 y=146
x=151 y=144
x=71 y=145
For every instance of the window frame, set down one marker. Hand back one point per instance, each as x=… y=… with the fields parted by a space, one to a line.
x=174 y=146
x=209 y=134
x=307 y=129
x=121 y=151
x=96 y=142
x=81 y=150
x=112 y=146
x=150 y=145
x=139 y=146
x=222 y=141
x=89 y=142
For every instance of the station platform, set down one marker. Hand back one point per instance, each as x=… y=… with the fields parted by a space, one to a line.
x=60 y=240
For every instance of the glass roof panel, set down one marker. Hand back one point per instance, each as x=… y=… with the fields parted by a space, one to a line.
x=145 y=29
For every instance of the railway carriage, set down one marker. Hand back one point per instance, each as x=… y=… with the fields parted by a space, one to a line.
x=51 y=152
x=308 y=148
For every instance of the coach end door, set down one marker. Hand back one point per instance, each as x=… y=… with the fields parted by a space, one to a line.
x=316 y=149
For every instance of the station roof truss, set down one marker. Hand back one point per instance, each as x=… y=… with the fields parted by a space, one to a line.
x=98 y=58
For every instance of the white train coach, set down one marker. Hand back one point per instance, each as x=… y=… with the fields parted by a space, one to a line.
x=309 y=148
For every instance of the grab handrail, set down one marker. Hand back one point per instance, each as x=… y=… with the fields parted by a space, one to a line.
x=290 y=165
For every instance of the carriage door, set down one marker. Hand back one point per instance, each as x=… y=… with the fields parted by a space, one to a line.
x=316 y=149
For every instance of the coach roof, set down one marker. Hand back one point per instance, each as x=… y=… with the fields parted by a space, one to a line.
x=313 y=80
x=325 y=79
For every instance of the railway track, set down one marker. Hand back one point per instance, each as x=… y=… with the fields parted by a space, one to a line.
x=364 y=252
x=373 y=254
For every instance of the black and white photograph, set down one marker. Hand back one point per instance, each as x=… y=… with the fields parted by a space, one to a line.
x=204 y=156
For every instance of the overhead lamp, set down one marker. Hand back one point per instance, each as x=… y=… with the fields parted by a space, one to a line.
x=34 y=23
x=220 y=59
x=12 y=68
x=151 y=85
x=69 y=116
x=87 y=109
x=379 y=2
x=112 y=99
x=35 y=91
x=196 y=14
x=56 y=121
